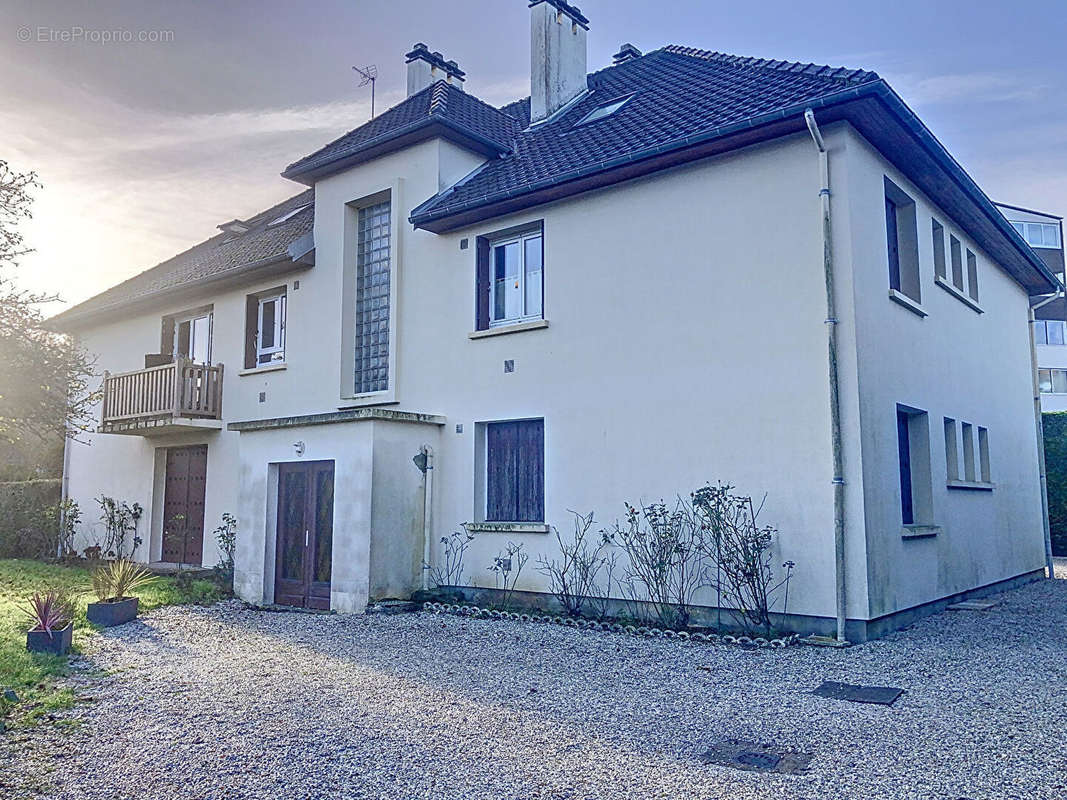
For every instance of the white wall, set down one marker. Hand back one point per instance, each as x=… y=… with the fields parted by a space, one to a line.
x=954 y=363
x=685 y=343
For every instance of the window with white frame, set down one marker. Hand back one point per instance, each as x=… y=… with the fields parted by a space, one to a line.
x=270 y=347
x=265 y=328
x=1050 y=331
x=1039 y=234
x=1052 y=381
x=517 y=282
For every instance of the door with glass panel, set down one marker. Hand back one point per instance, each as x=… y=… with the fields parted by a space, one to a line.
x=192 y=338
x=305 y=534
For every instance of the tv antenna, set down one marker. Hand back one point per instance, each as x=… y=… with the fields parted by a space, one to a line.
x=368 y=74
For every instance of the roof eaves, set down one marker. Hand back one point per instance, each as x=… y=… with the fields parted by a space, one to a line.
x=639 y=155
x=72 y=319
x=964 y=181
x=308 y=173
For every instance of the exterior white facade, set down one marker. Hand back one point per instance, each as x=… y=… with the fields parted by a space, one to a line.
x=683 y=341
x=1050 y=336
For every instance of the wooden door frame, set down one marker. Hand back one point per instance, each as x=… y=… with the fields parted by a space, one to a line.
x=312 y=590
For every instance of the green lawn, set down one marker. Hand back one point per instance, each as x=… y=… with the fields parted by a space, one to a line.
x=32 y=675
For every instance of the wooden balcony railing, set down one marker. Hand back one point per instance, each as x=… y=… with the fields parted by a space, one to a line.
x=182 y=390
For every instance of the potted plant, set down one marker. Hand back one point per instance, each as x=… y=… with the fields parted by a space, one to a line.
x=113 y=585
x=52 y=623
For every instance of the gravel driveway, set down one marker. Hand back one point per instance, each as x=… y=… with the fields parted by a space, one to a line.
x=224 y=702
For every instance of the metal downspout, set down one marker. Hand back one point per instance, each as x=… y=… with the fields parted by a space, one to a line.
x=831 y=348
x=427 y=515
x=1049 y=563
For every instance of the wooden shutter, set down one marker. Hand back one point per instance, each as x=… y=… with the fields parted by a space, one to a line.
x=482 y=284
x=530 y=487
x=501 y=472
x=166 y=339
x=251 y=329
x=515 y=471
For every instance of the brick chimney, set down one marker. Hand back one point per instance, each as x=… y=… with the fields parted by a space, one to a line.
x=557 y=56
x=425 y=68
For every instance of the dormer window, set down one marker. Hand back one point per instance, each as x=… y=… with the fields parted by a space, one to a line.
x=603 y=111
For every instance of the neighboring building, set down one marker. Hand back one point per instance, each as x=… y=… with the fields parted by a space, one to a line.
x=611 y=291
x=1044 y=233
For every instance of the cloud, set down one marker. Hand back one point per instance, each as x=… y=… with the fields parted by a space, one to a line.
x=969 y=87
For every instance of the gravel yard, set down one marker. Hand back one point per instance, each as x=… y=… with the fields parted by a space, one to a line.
x=224 y=702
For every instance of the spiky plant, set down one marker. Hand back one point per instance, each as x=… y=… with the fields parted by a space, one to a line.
x=117 y=580
x=49 y=611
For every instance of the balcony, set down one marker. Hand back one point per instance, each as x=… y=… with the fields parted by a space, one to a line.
x=171 y=398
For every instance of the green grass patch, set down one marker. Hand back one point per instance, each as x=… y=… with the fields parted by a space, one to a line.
x=33 y=675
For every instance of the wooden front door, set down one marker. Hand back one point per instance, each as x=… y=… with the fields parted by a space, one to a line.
x=183 y=505
x=305 y=535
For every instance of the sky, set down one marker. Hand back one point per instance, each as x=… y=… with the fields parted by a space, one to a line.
x=150 y=123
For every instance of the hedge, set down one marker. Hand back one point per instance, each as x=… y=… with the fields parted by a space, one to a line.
x=1055 y=425
x=27 y=518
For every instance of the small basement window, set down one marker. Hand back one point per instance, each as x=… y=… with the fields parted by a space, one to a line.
x=902 y=242
x=603 y=111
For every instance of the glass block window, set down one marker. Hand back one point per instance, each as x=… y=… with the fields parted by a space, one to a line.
x=372 y=299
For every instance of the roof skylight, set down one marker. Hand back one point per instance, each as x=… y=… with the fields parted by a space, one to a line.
x=288 y=216
x=603 y=111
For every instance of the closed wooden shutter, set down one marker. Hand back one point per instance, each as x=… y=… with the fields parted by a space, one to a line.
x=251 y=329
x=482 y=281
x=166 y=339
x=531 y=471
x=515 y=471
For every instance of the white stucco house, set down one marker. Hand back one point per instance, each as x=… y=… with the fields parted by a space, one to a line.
x=617 y=289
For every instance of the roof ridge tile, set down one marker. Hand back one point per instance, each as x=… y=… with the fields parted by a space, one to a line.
x=840 y=74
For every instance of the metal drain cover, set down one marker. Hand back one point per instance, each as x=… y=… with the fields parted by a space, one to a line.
x=879 y=695
x=755 y=757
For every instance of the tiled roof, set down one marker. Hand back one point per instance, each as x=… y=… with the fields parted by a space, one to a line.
x=219 y=255
x=441 y=103
x=677 y=92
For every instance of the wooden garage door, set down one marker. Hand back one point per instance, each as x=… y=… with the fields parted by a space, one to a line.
x=183 y=505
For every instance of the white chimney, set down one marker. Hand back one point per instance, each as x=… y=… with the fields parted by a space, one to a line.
x=557 y=56
x=426 y=68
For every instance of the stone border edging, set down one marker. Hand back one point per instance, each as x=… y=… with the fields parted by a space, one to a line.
x=611 y=627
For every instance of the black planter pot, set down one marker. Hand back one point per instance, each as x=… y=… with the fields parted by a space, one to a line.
x=112 y=613
x=56 y=642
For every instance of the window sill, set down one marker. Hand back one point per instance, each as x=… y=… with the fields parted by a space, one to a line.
x=907 y=302
x=977 y=486
x=963 y=298
x=265 y=368
x=518 y=327
x=507 y=527
x=920 y=531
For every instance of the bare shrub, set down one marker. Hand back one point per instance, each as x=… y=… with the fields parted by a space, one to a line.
x=506 y=568
x=450 y=571
x=574 y=577
x=741 y=552
x=667 y=561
